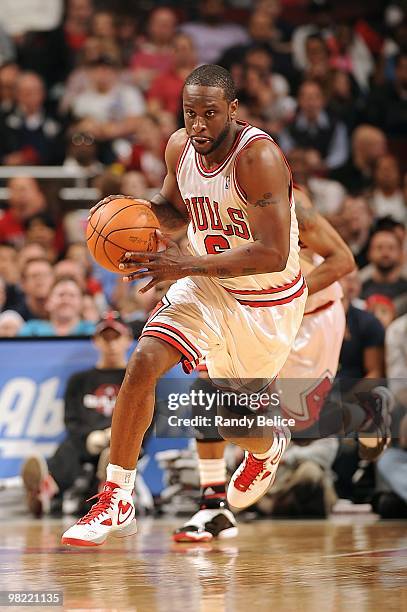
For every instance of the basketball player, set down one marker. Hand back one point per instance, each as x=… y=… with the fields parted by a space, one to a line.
x=238 y=301
x=304 y=381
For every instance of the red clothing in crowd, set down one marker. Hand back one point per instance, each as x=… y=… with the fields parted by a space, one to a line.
x=167 y=88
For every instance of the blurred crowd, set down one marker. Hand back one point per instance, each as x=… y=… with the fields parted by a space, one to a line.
x=95 y=86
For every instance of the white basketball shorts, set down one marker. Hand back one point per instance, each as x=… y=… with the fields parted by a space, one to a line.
x=238 y=342
x=307 y=375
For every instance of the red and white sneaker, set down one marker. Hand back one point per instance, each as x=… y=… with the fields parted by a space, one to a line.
x=39 y=485
x=113 y=514
x=254 y=477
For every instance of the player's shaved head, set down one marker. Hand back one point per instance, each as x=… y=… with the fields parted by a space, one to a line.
x=211 y=75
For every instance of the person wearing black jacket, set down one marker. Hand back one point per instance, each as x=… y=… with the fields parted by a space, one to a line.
x=89 y=401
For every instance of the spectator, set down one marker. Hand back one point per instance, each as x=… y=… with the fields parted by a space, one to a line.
x=351 y=54
x=154 y=55
x=108 y=109
x=77 y=267
x=321 y=24
x=212 y=35
x=387 y=198
x=89 y=402
x=29 y=136
x=10 y=322
x=382 y=307
x=134 y=183
x=362 y=353
x=165 y=92
x=326 y=195
x=82 y=151
x=33 y=250
x=316 y=129
x=147 y=154
x=64 y=308
x=317 y=62
x=9 y=74
x=368 y=145
x=36 y=281
x=42 y=229
x=76 y=25
x=386 y=106
x=103 y=25
x=8 y=263
x=386 y=255
x=25 y=199
x=345 y=100
x=354 y=222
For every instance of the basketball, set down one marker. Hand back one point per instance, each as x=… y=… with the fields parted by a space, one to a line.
x=119 y=226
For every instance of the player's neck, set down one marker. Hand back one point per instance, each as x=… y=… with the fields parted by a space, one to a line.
x=213 y=159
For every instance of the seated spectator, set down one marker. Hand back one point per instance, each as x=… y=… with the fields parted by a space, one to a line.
x=345 y=100
x=368 y=145
x=29 y=136
x=147 y=155
x=264 y=92
x=64 y=308
x=76 y=25
x=326 y=195
x=212 y=34
x=78 y=265
x=9 y=277
x=9 y=74
x=354 y=221
x=154 y=53
x=33 y=250
x=316 y=129
x=37 y=277
x=103 y=25
x=387 y=198
x=89 y=402
x=382 y=307
x=108 y=109
x=8 y=263
x=320 y=22
x=351 y=54
x=25 y=199
x=362 y=353
x=165 y=92
x=10 y=322
x=42 y=229
x=134 y=183
x=386 y=106
x=386 y=254
x=82 y=151
x=318 y=62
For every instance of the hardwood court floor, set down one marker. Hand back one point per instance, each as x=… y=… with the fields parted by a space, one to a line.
x=351 y=564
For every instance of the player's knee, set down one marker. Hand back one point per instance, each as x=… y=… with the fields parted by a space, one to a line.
x=142 y=370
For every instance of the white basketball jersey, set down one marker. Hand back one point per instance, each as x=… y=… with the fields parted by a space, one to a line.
x=217 y=208
x=321 y=298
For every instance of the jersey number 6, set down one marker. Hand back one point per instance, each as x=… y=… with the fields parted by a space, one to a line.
x=215 y=244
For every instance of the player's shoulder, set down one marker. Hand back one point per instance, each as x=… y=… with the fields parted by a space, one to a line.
x=177 y=141
x=261 y=150
x=175 y=146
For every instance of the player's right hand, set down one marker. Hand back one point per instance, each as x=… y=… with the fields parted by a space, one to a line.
x=118 y=196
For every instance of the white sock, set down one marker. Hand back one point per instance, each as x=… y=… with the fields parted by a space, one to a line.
x=212 y=471
x=124 y=478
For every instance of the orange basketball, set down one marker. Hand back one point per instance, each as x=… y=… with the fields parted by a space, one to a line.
x=119 y=226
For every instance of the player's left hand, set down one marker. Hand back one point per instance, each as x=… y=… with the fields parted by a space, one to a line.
x=167 y=264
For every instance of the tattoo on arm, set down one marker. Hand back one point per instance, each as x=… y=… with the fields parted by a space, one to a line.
x=266 y=200
x=305 y=216
x=167 y=215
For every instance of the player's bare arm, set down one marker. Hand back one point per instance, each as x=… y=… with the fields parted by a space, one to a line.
x=167 y=205
x=263 y=176
x=317 y=234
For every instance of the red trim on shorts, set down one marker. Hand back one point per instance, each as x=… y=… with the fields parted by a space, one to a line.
x=180 y=334
x=319 y=308
x=274 y=302
x=267 y=291
x=186 y=360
